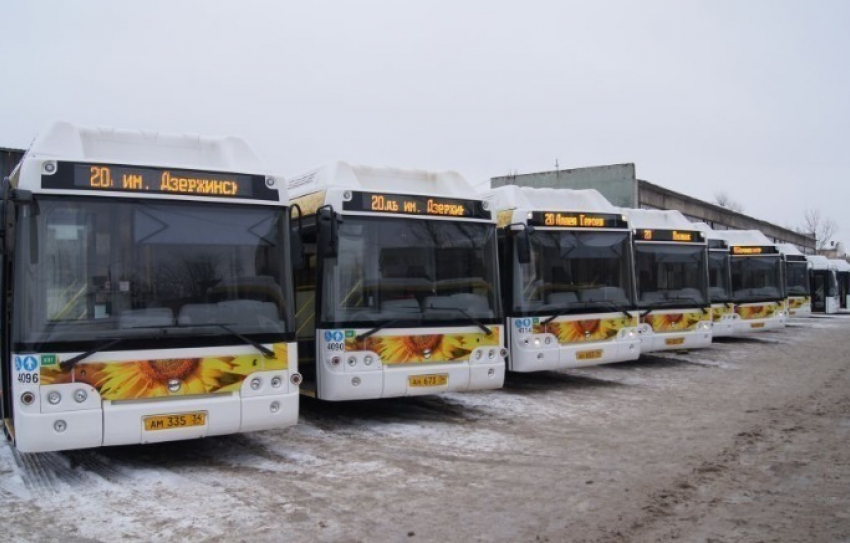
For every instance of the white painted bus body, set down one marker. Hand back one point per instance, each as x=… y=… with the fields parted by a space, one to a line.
x=688 y=324
x=64 y=398
x=541 y=340
x=362 y=351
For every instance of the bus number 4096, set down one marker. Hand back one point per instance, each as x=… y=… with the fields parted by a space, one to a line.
x=28 y=378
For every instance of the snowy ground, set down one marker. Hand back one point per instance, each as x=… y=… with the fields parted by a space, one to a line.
x=746 y=441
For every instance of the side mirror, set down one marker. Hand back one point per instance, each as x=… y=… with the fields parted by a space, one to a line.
x=328 y=239
x=523 y=244
x=297 y=255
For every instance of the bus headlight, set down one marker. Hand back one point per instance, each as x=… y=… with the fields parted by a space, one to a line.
x=296 y=379
x=492 y=354
x=276 y=381
x=80 y=395
x=256 y=383
x=54 y=398
x=27 y=398
x=352 y=361
x=60 y=426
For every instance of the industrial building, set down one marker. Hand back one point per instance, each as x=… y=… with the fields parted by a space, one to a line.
x=620 y=185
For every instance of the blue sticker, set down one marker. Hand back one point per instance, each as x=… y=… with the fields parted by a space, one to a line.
x=18 y=363
x=30 y=363
x=329 y=335
x=337 y=335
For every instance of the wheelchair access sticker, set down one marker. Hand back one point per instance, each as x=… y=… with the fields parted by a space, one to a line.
x=523 y=326
x=335 y=340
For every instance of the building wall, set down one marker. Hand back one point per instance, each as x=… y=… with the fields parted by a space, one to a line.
x=616 y=182
x=621 y=187
x=651 y=196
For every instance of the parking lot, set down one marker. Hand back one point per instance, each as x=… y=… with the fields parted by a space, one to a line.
x=745 y=441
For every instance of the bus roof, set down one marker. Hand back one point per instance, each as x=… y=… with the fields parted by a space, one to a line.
x=65 y=141
x=840 y=265
x=657 y=219
x=543 y=199
x=342 y=175
x=789 y=249
x=743 y=237
x=820 y=262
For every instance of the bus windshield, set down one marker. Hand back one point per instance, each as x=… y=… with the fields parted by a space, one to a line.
x=400 y=271
x=670 y=275
x=95 y=268
x=756 y=278
x=797 y=280
x=719 y=289
x=574 y=270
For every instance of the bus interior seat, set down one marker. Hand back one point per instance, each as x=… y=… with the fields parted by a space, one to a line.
x=602 y=294
x=147 y=317
x=562 y=298
x=652 y=297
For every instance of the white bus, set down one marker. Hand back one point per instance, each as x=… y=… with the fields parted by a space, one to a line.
x=758 y=284
x=798 y=294
x=147 y=291
x=400 y=295
x=719 y=283
x=671 y=275
x=824 y=284
x=842 y=270
x=566 y=271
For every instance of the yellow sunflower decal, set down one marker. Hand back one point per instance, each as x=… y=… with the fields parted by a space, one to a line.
x=422 y=348
x=149 y=378
x=577 y=331
x=673 y=322
x=761 y=311
x=718 y=311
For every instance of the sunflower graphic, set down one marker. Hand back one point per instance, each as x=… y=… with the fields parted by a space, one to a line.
x=672 y=322
x=756 y=311
x=422 y=348
x=578 y=331
x=149 y=378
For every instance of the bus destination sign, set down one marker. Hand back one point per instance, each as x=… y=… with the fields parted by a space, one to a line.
x=576 y=220
x=415 y=205
x=137 y=179
x=754 y=250
x=679 y=236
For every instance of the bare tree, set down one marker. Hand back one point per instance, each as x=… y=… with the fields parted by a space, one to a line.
x=822 y=228
x=723 y=199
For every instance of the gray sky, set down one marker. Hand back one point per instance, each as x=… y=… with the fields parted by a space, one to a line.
x=750 y=98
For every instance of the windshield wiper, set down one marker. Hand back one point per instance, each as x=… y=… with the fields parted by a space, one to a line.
x=577 y=305
x=377 y=328
x=66 y=365
x=268 y=353
x=472 y=319
x=674 y=301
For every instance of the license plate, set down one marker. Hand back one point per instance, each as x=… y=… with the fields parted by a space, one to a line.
x=432 y=380
x=589 y=355
x=177 y=420
x=674 y=340
x=756 y=325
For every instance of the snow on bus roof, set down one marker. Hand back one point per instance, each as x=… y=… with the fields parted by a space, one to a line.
x=743 y=237
x=662 y=219
x=340 y=174
x=840 y=265
x=66 y=141
x=788 y=249
x=820 y=262
x=544 y=199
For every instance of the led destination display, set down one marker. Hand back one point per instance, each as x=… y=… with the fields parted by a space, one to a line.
x=108 y=177
x=577 y=220
x=415 y=205
x=756 y=250
x=682 y=236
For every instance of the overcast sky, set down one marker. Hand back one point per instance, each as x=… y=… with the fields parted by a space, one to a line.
x=751 y=98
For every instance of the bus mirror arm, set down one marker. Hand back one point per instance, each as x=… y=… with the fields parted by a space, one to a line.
x=523 y=242
x=296 y=244
x=328 y=231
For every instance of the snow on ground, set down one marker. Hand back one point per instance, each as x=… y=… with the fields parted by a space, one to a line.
x=348 y=469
